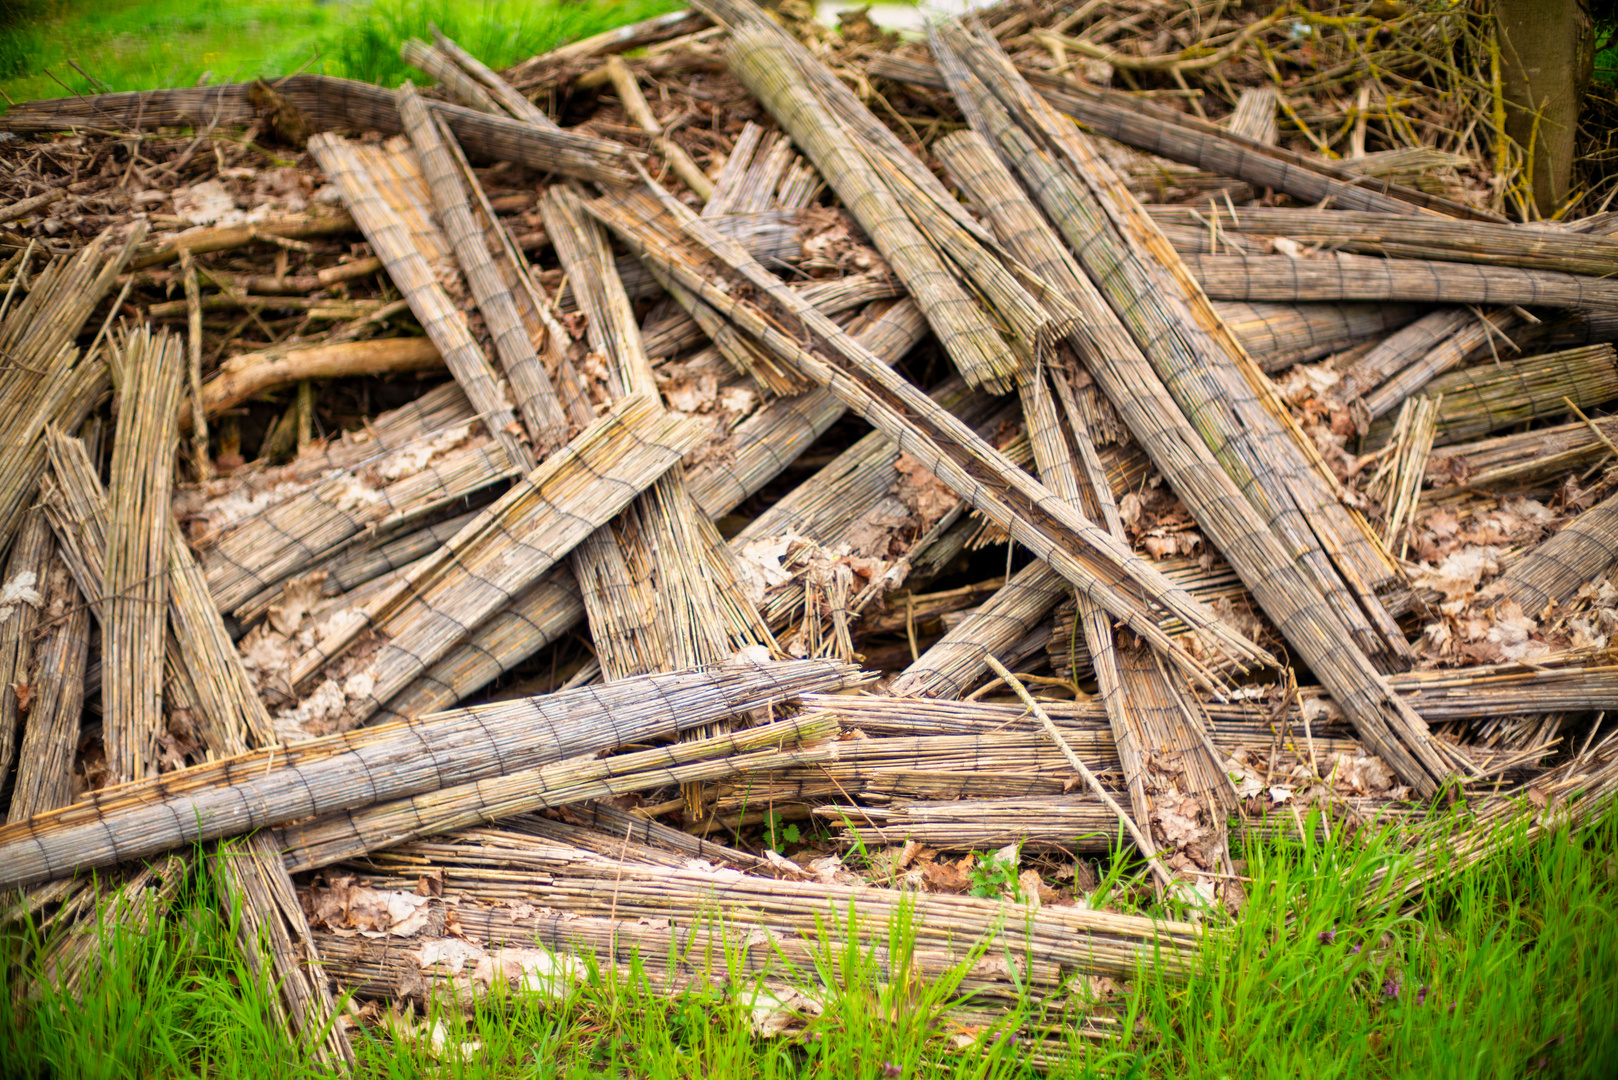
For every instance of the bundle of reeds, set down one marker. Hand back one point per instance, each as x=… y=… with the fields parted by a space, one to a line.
x=1525 y=457
x=501 y=91
x=326 y=102
x=397 y=761
x=301 y=527
x=1553 y=573
x=1361 y=278
x=509 y=546
x=1414 y=237
x=537 y=399
x=390 y=236
x=55 y=679
x=664 y=233
x=137 y=586
x=1277 y=336
x=1042 y=943
x=45 y=380
x=332 y=838
x=1490 y=396
x=1184 y=458
x=962 y=327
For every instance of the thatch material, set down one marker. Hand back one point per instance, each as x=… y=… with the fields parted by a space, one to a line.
x=137 y=588
x=361 y=186
x=326 y=102
x=22 y=596
x=1481 y=399
x=45 y=380
x=499 y=90
x=1225 y=398
x=212 y=689
x=969 y=338
x=1086 y=555
x=332 y=838
x=509 y=546
x=457 y=83
x=760 y=447
x=1277 y=336
x=413 y=476
x=1524 y=457
x=1405 y=236
x=1280 y=588
x=1046 y=945
x=1398 y=480
x=55 y=680
x=1360 y=278
x=406 y=759
x=1552 y=574
x=537 y=400
x=1178 y=137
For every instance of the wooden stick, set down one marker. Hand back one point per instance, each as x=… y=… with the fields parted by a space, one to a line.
x=193 y=303
x=623 y=80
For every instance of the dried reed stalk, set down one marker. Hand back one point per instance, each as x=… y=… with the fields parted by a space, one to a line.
x=963 y=328
x=547 y=425
x=55 y=682
x=1087 y=556
x=510 y=545
x=137 y=585
x=1490 y=396
x=333 y=838
x=1551 y=575
x=1410 y=237
x=1359 y=278
x=402 y=760
x=1289 y=598
x=44 y=379
x=1397 y=483
x=326 y=102
x=444 y=323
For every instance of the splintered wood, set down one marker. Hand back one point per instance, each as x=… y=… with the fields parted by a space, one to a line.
x=687 y=493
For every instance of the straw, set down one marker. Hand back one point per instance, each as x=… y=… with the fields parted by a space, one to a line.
x=445 y=324
x=452 y=748
x=547 y=425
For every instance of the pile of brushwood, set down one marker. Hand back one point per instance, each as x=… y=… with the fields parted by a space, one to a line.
x=652 y=504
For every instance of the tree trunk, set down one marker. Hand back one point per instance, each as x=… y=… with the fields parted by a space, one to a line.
x=1547 y=49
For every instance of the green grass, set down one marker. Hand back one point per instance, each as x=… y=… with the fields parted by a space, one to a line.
x=146 y=44
x=1508 y=970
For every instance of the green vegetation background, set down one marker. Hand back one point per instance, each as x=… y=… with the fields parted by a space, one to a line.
x=146 y=44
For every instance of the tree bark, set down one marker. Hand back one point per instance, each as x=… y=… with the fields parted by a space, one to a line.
x=1547 y=50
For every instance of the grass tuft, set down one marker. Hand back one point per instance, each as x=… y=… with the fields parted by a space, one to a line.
x=1507 y=969
x=152 y=44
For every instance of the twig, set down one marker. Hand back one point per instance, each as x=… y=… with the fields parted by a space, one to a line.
x=1142 y=841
